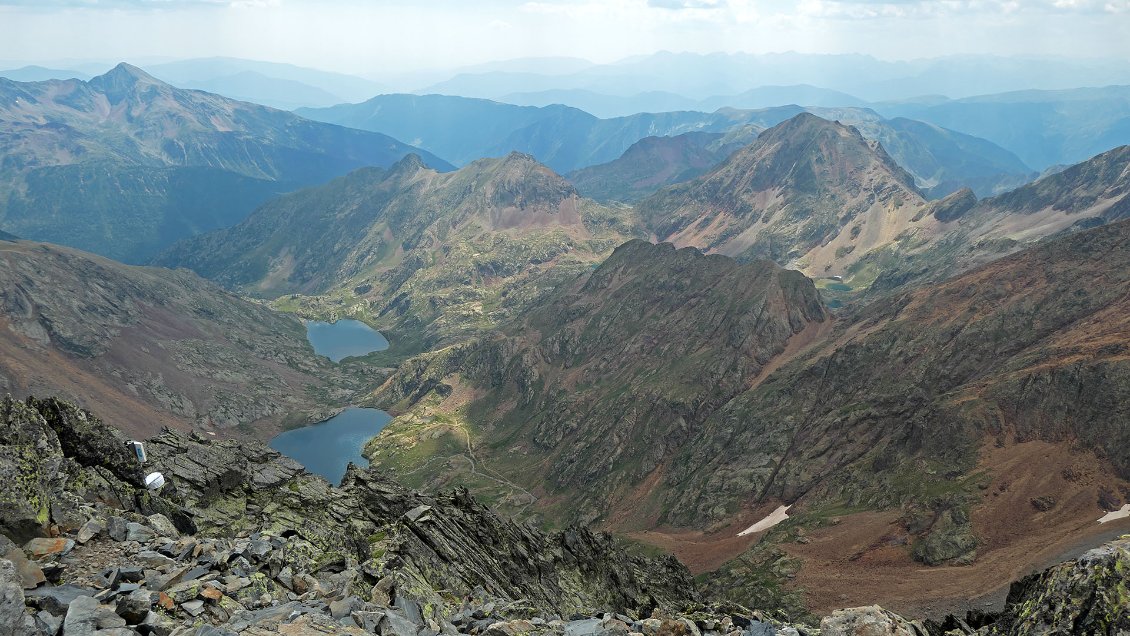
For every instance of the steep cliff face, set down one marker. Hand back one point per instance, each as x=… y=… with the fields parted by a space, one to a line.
x=895 y=406
x=603 y=384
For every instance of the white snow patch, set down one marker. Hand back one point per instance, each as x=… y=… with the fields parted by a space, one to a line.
x=773 y=519
x=1117 y=514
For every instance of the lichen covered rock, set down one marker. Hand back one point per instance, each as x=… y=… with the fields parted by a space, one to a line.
x=1090 y=595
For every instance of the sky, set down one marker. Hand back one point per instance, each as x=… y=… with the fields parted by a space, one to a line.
x=374 y=37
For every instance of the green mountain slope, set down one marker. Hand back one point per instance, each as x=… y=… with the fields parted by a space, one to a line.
x=138 y=163
x=594 y=388
x=425 y=255
x=155 y=347
x=650 y=164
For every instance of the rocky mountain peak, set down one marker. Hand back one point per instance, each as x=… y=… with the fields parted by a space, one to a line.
x=808 y=153
x=407 y=166
x=808 y=191
x=519 y=180
x=123 y=80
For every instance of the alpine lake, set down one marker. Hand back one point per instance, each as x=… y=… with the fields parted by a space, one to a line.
x=328 y=447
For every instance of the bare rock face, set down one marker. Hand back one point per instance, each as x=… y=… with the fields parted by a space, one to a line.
x=426 y=547
x=32 y=467
x=12 y=613
x=868 y=621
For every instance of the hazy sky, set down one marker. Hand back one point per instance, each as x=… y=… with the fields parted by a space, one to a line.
x=376 y=36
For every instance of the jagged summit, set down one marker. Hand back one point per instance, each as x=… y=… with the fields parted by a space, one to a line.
x=407 y=166
x=796 y=151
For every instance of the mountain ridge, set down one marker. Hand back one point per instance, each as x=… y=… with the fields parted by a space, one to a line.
x=155 y=347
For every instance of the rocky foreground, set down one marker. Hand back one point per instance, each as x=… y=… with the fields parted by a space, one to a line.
x=243 y=541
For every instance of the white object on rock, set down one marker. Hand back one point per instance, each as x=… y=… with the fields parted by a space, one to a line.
x=154 y=481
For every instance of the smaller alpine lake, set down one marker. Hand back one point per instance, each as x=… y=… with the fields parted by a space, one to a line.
x=344 y=338
x=328 y=447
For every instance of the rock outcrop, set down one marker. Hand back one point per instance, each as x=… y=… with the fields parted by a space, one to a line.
x=241 y=533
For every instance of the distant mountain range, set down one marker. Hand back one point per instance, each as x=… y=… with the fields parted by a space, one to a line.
x=1028 y=106
x=125 y=164
x=608 y=106
x=269 y=83
x=1043 y=128
x=809 y=193
x=651 y=163
x=41 y=74
x=462 y=130
x=567 y=139
x=701 y=76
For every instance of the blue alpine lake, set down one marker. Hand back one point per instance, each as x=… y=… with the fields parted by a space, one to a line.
x=327 y=448
x=344 y=338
